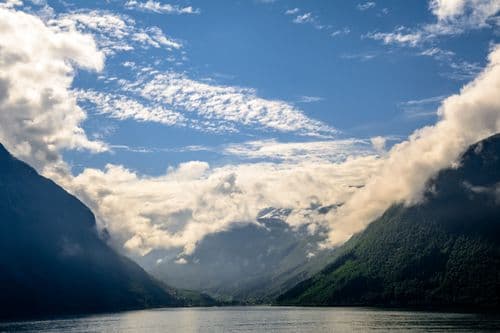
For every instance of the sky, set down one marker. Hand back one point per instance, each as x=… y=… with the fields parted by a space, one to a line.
x=176 y=119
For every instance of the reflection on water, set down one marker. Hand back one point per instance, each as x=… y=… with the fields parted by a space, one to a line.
x=264 y=319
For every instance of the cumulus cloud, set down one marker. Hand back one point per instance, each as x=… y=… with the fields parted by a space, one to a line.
x=378 y=143
x=160 y=8
x=38 y=115
x=194 y=199
x=465 y=118
x=11 y=4
x=469 y=12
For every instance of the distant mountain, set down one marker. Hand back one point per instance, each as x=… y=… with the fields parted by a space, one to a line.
x=444 y=252
x=249 y=262
x=52 y=260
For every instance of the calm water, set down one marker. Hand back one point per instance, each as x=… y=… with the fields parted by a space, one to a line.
x=264 y=319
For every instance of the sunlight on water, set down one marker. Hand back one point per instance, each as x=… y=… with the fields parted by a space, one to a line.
x=264 y=319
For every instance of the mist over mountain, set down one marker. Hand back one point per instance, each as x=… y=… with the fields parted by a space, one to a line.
x=52 y=260
x=444 y=252
x=248 y=263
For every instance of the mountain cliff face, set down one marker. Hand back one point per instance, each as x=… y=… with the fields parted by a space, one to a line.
x=249 y=263
x=444 y=252
x=51 y=258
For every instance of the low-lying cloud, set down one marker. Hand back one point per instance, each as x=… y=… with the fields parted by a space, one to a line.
x=464 y=119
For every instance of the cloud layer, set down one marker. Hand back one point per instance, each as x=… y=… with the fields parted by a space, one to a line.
x=193 y=200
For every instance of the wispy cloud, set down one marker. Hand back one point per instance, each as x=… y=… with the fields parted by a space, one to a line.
x=363 y=56
x=305 y=18
x=310 y=99
x=437 y=53
x=292 y=11
x=463 y=70
x=160 y=8
x=234 y=106
x=401 y=36
x=340 y=32
x=113 y=32
x=452 y=18
x=272 y=150
x=366 y=5
x=424 y=107
x=122 y=107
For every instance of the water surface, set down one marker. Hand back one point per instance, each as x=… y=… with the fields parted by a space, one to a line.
x=264 y=319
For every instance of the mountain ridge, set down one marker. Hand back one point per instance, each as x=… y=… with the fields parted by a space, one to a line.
x=444 y=252
x=52 y=260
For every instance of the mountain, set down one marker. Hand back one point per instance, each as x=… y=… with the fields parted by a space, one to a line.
x=444 y=252
x=52 y=260
x=249 y=263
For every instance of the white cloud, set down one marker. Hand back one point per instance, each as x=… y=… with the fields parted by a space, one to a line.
x=424 y=107
x=114 y=33
x=38 y=115
x=437 y=53
x=310 y=99
x=340 y=32
x=463 y=70
x=8 y=4
x=292 y=11
x=121 y=107
x=378 y=143
x=232 y=106
x=453 y=17
x=332 y=150
x=465 y=118
x=304 y=18
x=40 y=118
x=365 y=6
x=399 y=36
x=158 y=7
x=193 y=200
x=476 y=12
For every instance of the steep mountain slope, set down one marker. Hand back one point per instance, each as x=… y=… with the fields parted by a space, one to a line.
x=250 y=263
x=444 y=252
x=51 y=258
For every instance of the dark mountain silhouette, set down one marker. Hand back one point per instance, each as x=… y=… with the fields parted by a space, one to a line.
x=444 y=252
x=52 y=260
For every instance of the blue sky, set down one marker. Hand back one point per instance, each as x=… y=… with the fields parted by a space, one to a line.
x=326 y=66
x=173 y=119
